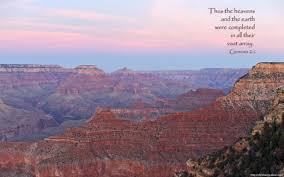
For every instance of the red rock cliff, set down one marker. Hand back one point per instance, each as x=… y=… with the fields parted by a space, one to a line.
x=109 y=147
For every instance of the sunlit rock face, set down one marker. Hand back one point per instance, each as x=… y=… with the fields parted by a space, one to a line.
x=261 y=151
x=257 y=89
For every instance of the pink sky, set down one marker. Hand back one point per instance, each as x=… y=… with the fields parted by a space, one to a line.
x=165 y=26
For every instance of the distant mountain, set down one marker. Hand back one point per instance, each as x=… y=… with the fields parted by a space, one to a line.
x=72 y=95
x=218 y=78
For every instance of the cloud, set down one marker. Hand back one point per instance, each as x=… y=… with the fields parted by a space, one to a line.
x=87 y=15
x=166 y=26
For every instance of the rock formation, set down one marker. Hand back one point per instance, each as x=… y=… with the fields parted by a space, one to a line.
x=89 y=70
x=124 y=71
x=189 y=101
x=196 y=99
x=69 y=96
x=256 y=90
x=262 y=152
x=107 y=146
x=205 y=78
x=20 y=122
x=31 y=68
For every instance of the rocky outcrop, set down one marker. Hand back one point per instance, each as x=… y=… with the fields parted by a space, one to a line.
x=262 y=152
x=89 y=69
x=268 y=68
x=256 y=90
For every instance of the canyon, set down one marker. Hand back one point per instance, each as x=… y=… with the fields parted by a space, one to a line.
x=107 y=145
x=38 y=101
x=261 y=152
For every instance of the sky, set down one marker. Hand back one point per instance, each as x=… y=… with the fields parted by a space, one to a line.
x=138 y=34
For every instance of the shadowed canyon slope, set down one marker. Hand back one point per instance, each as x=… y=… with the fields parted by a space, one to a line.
x=107 y=146
x=262 y=152
x=52 y=98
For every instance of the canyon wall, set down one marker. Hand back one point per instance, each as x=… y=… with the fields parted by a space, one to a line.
x=107 y=146
x=59 y=98
x=261 y=152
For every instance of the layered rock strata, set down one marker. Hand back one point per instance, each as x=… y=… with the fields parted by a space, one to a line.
x=107 y=146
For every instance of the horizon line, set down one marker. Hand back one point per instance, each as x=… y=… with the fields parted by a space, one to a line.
x=36 y=65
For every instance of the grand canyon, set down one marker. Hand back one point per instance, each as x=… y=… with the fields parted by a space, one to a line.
x=83 y=122
x=37 y=101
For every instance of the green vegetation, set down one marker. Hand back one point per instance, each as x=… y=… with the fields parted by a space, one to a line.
x=264 y=154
